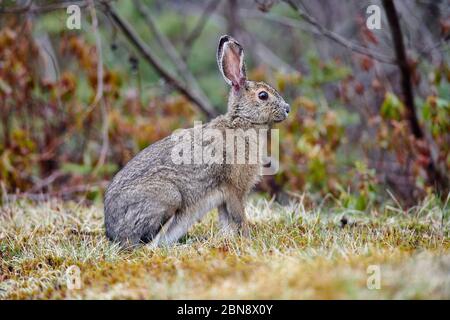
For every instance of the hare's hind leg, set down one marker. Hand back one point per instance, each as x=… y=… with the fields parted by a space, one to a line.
x=139 y=215
x=141 y=221
x=155 y=220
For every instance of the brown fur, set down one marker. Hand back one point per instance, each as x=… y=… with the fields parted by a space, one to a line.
x=155 y=200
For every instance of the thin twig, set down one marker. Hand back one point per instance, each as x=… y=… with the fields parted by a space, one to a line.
x=197 y=30
x=30 y=7
x=428 y=50
x=98 y=49
x=262 y=53
x=284 y=21
x=62 y=192
x=435 y=176
x=163 y=41
x=99 y=94
x=151 y=58
x=105 y=139
x=266 y=55
x=21 y=9
x=338 y=38
x=46 y=181
x=168 y=47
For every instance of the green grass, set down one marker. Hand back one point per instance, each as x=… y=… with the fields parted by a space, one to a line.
x=293 y=253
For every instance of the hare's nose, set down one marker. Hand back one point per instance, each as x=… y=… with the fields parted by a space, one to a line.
x=287 y=108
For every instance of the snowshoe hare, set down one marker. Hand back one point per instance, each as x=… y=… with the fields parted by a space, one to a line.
x=155 y=199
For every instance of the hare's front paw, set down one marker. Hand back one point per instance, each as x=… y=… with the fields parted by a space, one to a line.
x=228 y=231
x=244 y=230
x=233 y=230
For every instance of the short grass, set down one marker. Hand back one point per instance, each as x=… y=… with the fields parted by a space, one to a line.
x=293 y=253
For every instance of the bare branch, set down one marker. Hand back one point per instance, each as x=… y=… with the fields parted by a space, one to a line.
x=164 y=42
x=99 y=94
x=284 y=21
x=30 y=7
x=98 y=49
x=436 y=46
x=21 y=9
x=435 y=177
x=195 y=95
x=400 y=51
x=167 y=46
x=262 y=53
x=196 y=32
x=64 y=192
x=151 y=58
x=338 y=38
x=43 y=183
x=265 y=54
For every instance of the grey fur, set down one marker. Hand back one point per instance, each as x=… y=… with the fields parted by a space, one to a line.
x=155 y=200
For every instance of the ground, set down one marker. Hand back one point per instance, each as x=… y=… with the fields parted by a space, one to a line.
x=294 y=252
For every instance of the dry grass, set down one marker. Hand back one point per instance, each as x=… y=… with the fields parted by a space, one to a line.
x=292 y=253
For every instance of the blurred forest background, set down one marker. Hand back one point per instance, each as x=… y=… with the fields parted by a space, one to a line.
x=371 y=108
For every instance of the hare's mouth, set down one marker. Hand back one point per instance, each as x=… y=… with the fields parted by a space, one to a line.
x=282 y=113
x=280 y=119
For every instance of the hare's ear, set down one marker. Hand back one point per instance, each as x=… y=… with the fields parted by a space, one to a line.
x=230 y=58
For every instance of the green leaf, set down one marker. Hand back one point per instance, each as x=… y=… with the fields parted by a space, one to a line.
x=392 y=108
x=75 y=168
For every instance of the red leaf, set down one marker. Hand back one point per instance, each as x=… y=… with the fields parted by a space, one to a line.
x=366 y=63
x=369 y=36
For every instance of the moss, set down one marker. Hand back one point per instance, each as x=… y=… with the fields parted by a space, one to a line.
x=292 y=253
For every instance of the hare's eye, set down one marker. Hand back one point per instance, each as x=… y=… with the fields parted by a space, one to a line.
x=263 y=95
